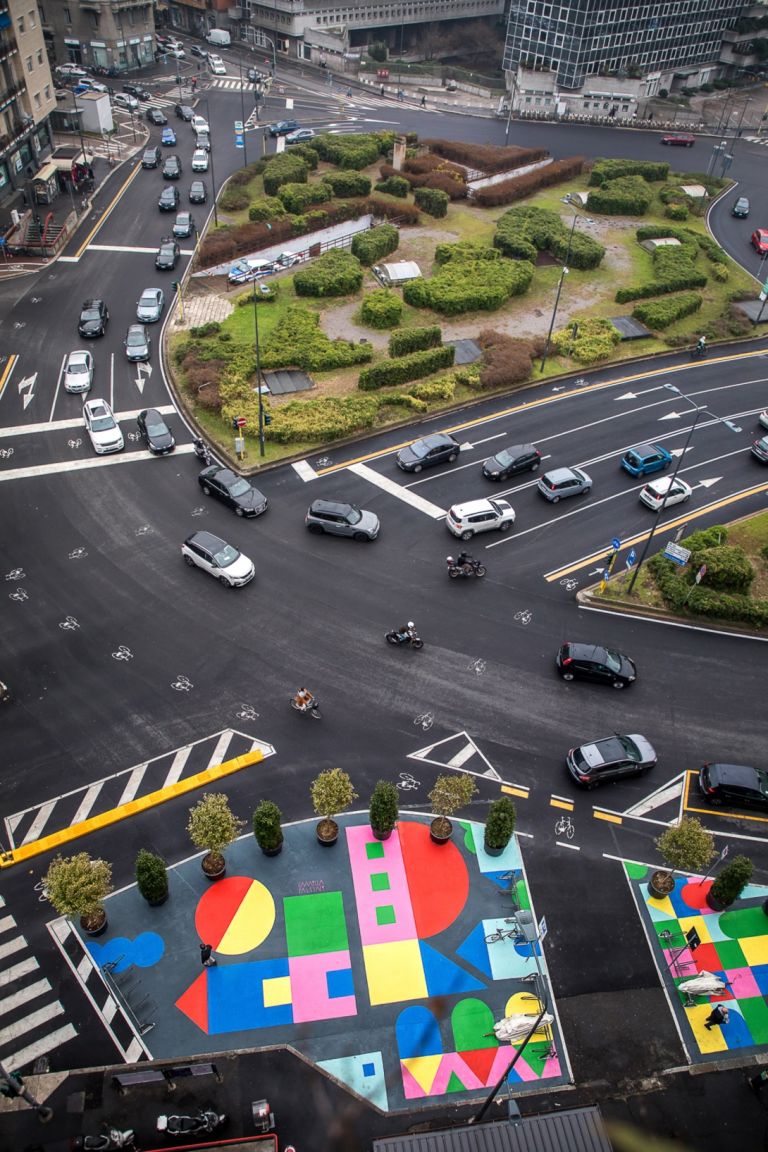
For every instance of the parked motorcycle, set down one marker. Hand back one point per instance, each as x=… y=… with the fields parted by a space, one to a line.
x=409 y=636
x=313 y=707
x=206 y=1120
x=470 y=568
x=202 y=451
x=110 y=1140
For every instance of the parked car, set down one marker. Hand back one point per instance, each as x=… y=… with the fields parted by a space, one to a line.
x=140 y=91
x=124 y=101
x=155 y=116
x=287 y=260
x=249 y=269
x=759 y=240
x=734 y=784
x=169 y=198
x=72 y=70
x=184 y=112
x=94 y=317
x=199 y=160
x=233 y=490
x=85 y=84
x=676 y=491
x=466 y=520
x=184 y=225
x=338 y=519
x=679 y=140
x=512 y=461
x=425 y=453
x=167 y=254
x=155 y=432
x=151 y=157
x=613 y=758
x=78 y=372
x=646 y=458
x=283 y=127
x=150 y=306
x=172 y=167
x=137 y=343
x=562 y=482
x=300 y=136
x=591 y=662
x=168 y=138
x=219 y=559
x=740 y=207
x=759 y=450
x=198 y=193
x=102 y=428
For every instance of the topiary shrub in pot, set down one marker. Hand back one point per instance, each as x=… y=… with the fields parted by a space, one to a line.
x=730 y=883
x=384 y=809
x=267 y=829
x=687 y=847
x=499 y=825
x=152 y=877
x=448 y=795
x=77 y=886
x=213 y=826
x=331 y=792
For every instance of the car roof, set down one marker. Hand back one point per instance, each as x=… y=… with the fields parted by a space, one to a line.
x=560 y=474
x=329 y=506
x=647 y=449
x=95 y=405
x=483 y=505
x=206 y=540
x=586 y=651
x=436 y=438
x=740 y=774
x=662 y=483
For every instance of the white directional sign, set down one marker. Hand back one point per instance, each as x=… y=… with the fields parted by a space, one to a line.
x=29 y=383
x=674 y=552
x=146 y=369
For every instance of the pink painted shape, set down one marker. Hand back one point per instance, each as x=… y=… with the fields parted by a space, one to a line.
x=694 y=893
x=685 y=963
x=743 y=985
x=309 y=988
x=411 y=1089
x=503 y=1060
x=397 y=895
x=452 y=1062
x=551 y=1067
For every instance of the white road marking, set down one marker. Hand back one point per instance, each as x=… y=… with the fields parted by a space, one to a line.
x=675 y=624
x=24 y=996
x=461 y=757
x=671 y=790
x=77 y=422
x=173 y=774
x=142 y=456
x=16 y=971
x=58 y=386
x=87 y=802
x=48 y=1043
x=304 y=470
x=128 y=248
x=394 y=489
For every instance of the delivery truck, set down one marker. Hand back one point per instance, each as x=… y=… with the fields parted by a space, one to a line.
x=218 y=37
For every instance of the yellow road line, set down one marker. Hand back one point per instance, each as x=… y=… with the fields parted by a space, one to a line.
x=524 y=793
x=143 y=804
x=567 y=805
x=668 y=526
x=609 y=817
x=6 y=373
x=107 y=212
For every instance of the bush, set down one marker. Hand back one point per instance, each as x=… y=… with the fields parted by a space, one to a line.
x=234 y=199
x=434 y=390
x=605 y=170
x=624 y=196
x=687 y=846
x=381 y=309
x=594 y=340
x=506 y=360
x=378 y=52
x=485 y=157
x=731 y=882
x=151 y=876
x=402 y=214
x=659 y=314
x=432 y=201
x=415 y=340
x=335 y=273
x=78 y=885
x=319 y=421
x=384 y=808
x=212 y=825
x=464 y=250
x=212 y=328
x=394 y=186
x=298 y=340
x=348 y=183
x=721 y=274
x=518 y=188
x=406 y=368
x=284 y=168
x=469 y=286
x=728 y=569
x=523 y=232
x=677 y=212
x=674 y=271
x=267 y=208
x=355 y=151
x=375 y=243
x=245 y=175
x=296 y=198
x=331 y=792
x=266 y=826
x=449 y=794
x=499 y=824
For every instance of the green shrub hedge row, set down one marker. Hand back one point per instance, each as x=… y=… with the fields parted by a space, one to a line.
x=406 y=368
x=381 y=309
x=650 y=170
x=594 y=340
x=522 y=233
x=266 y=208
x=624 y=196
x=234 y=199
x=681 y=594
x=485 y=157
x=441 y=176
x=284 y=168
x=335 y=273
x=507 y=191
x=470 y=286
x=376 y=243
x=674 y=272
x=348 y=183
x=353 y=151
x=464 y=250
x=676 y=212
x=298 y=340
x=415 y=340
x=659 y=314
x=443 y=389
x=432 y=201
x=394 y=186
x=296 y=198
x=245 y=175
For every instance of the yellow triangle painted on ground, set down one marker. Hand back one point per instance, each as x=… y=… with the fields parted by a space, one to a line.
x=423 y=1069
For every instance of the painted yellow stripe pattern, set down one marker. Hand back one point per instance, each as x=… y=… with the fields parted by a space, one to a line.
x=609 y=817
x=566 y=805
x=6 y=373
x=523 y=793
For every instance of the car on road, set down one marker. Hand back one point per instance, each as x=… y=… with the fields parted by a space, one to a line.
x=156 y=117
x=676 y=491
x=140 y=91
x=592 y=662
x=759 y=450
x=763 y=419
x=151 y=157
x=167 y=254
x=172 y=167
x=184 y=112
x=613 y=758
x=94 y=317
x=184 y=225
x=300 y=136
x=735 y=785
x=176 y=53
x=216 y=64
x=78 y=372
x=196 y=50
x=168 y=138
x=219 y=559
x=249 y=269
x=198 y=193
x=232 y=490
x=124 y=101
x=72 y=70
x=646 y=458
x=428 y=451
x=740 y=207
x=85 y=84
x=137 y=343
x=150 y=306
x=511 y=461
x=466 y=520
x=101 y=426
x=203 y=141
x=283 y=127
x=255 y=76
x=759 y=240
x=679 y=140
x=169 y=198
x=562 y=482
x=155 y=432
x=199 y=160
x=340 y=519
x=200 y=124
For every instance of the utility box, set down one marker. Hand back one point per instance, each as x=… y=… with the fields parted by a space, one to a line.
x=95 y=112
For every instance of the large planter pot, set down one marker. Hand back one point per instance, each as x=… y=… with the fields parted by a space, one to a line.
x=489 y=851
x=440 y=830
x=156 y=901
x=274 y=850
x=327 y=833
x=715 y=904
x=661 y=884
x=94 y=923
x=214 y=866
x=381 y=835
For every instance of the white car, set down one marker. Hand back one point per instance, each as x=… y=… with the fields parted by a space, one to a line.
x=199 y=160
x=101 y=426
x=73 y=70
x=249 y=269
x=763 y=418
x=199 y=124
x=177 y=53
x=126 y=101
x=652 y=495
x=78 y=372
x=464 y=520
x=218 y=559
x=216 y=65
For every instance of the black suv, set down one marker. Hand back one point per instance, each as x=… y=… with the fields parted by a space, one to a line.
x=155 y=116
x=232 y=490
x=94 y=317
x=197 y=192
x=429 y=450
x=151 y=157
x=510 y=461
x=137 y=90
x=172 y=168
x=169 y=198
x=589 y=662
x=735 y=785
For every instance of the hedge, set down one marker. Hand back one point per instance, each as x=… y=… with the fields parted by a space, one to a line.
x=415 y=340
x=432 y=201
x=435 y=389
x=234 y=199
x=464 y=250
x=244 y=175
x=485 y=157
x=284 y=168
x=406 y=368
x=728 y=568
x=674 y=272
x=306 y=152
x=380 y=209
x=650 y=170
x=266 y=208
x=376 y=243
x=624 y=196
x=518 y=188
x=355 y=151
x=659 y=314
x=523 y=232
x=335 y=273
x=381 y=309
x=298 y=340
x=348 y=183
x=470 y=286
x=676 y=212
x=594 y=340
x=394 y=186
x=328 y=418
x=507 y=360
x=682 y=595
x=296 y=198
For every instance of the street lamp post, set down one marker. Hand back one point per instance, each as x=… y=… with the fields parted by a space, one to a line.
x=728 y=423
x=563 y=275
x=258 y=370
x=716 y=151
x=242 y=113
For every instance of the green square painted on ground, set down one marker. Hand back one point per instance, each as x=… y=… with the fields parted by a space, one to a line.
x=385 y=915
x=315 y=923
x=380 y=882
x=374 y=851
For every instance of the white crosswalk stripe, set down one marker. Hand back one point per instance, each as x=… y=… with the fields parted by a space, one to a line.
x=28 y=1011
x=231 y=84
x=757 y=139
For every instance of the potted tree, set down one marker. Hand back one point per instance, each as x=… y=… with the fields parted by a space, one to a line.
x=448 y=795
x=730 y=883
x=499 y=826
x=687 y=847
x=213 y=826
x=152 y=877
x=266 y=827
x=78 y=886
x=384 y=809
x=332 y=792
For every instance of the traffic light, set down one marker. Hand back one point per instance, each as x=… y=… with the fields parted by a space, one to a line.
x=174 y=285
x=267 y=418
x=235 y=425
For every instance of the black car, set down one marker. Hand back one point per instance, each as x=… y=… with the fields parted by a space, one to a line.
x=154 y=430
x=184 y=225
x=590 y=662
x=428 y=451
x=169 y=199
x=510 y=461
x=137 y=90
x=167 y=254
x=198 y=193
x=172 y=168
x=183 y=111
x=151 y=157
x=155 y=116
x=199 y=52
x=94 y=317
x=734 y=784
x=741 y=208
x=233 y=490
x=759 y=449
x=283 y=127
x=137 y=343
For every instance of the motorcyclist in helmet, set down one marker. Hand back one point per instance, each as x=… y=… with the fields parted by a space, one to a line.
x=465 y=561
x=701 y=345
x=408 y=630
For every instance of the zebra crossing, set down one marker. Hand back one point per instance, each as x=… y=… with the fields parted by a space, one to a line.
x=31 y=1022
x=757 y=140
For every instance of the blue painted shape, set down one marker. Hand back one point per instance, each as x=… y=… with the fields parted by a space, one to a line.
x=474 y=950
x=369 y=1069
x=760 y=973
x=681 y=907
x=144 y=951
x=501 y=878
x=418 y=1033
x=236 y=997
x=754 y=891
x=508 y=958
x=443 y=976
x=363 y=1073
x=736 y=1032
x=340 y=983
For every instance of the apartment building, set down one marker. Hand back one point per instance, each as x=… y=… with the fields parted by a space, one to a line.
x=26 y=101
x=110 y=34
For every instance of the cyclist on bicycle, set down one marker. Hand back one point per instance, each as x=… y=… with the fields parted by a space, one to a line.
x=304 y=699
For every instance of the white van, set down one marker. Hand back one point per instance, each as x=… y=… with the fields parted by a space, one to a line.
x=219 y=37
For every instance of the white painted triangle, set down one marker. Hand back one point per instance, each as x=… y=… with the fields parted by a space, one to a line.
x=672 y=416
x=708 y=483
x=465 y=447
x=465 y=750
x=139 y=382
x=672 y=790
x=627 y=396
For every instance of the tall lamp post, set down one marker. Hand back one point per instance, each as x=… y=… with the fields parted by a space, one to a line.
x=204 y=100
x=258 y=367
x=242 y=113
x=728 y=423
x=563 y=275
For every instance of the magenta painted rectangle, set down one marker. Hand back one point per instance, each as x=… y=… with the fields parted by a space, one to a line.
x=366 y=901
x=309 y=987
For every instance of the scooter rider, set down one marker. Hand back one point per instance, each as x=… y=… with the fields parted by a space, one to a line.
x=701 y=346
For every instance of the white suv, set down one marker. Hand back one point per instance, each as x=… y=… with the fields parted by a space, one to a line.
x=216 y=64
x=199 y=160
x=219 y=559
x=465 y=520
x=101 y=426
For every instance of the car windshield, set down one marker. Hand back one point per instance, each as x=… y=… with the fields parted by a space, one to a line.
x=102 y=424
x=504 y=458
x=613 y=660
x=630 y=748
x=239 y=488
x=354 y=516
x=77 y=366
x=420 y=448
x=91 y=314
x=166 y=249
x=226 y=556
x=157 y=427
x=148 y=300
x=136 y=339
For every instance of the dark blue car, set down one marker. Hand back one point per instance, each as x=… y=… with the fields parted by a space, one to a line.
x=646 y=458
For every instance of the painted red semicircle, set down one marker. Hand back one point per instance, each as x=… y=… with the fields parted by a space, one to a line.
x=218 y=906
x=437 y=876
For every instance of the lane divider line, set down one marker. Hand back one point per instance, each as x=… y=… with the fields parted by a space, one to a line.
x=7 y=372
x=523 y=793
x=566 y=805
x=394 y=489
x=609 y=817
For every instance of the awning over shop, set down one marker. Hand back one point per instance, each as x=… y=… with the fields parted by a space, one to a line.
x=48 y=170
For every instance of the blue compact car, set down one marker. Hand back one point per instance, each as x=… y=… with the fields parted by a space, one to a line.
x=169 y=136
x=646 y=458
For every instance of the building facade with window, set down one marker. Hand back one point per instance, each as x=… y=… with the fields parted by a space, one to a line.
x=109 y=34
x=26 y=102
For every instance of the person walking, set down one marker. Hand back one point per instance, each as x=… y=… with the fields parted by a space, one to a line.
x=206 y=959
x=382 y=90
x=423 y=101
x=718 y=1015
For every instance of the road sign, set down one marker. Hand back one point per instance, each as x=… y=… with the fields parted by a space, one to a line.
x=241 y=421
x=674 y=552
x=239 y=141
x=542 y=928
x=701 y=573
x=631 y=558
x=238 y=125
x=615 y=543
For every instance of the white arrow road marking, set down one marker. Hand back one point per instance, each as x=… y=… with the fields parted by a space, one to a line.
x=627 y=396
x=674 y=415
x=395 y=489
x=27 y=382
x=466 y=446
x=707 y=483
x=139 y=381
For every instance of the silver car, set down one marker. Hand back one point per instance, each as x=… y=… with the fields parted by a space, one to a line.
x=341 y=520
x=150 y=306
x=78 y=372
x=562 y=482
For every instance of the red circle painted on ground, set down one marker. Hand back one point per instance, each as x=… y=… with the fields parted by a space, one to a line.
x=695 y=894
x=218 y=906
x=437 y=876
